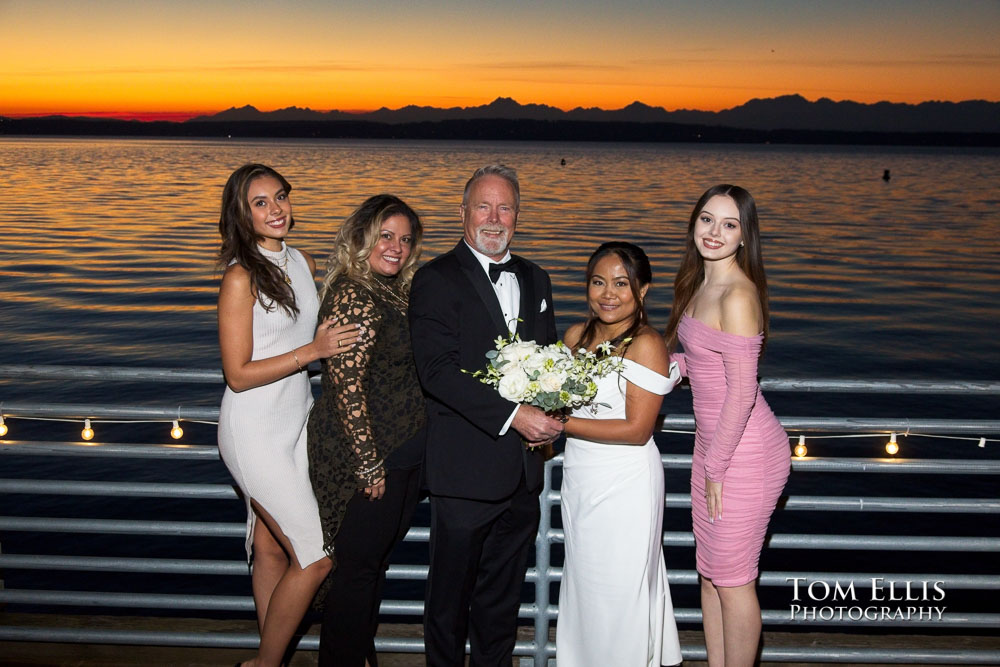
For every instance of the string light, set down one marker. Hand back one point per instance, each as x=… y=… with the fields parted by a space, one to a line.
x=87 y=433
x=891 y=447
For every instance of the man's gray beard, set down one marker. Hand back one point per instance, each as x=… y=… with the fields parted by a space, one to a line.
x=489 y=247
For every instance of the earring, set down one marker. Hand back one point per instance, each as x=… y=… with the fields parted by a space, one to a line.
x=741 y=244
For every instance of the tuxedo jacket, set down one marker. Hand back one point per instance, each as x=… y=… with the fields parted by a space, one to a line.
x=455 y=319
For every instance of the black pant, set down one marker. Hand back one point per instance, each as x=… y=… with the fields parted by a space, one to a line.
x=370 y=529
x=479 y=554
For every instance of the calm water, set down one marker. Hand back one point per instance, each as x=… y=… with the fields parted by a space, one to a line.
x=109 y=257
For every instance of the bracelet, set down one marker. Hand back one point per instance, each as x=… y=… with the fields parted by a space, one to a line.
x=296 y=358
x=367 y=471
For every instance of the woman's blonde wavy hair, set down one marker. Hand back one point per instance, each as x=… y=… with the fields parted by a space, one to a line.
x=358 y=236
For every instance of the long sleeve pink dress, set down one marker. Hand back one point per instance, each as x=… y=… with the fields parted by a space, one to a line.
x=739 y=442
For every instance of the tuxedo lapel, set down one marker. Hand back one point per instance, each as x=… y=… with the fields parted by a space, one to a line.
x=481 y=283
x=527 y=310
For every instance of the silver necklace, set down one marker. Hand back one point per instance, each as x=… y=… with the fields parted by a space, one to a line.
x=282 y=264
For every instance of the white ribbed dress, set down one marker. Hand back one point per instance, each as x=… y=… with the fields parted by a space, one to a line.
x=262 y=431
x=614 y=600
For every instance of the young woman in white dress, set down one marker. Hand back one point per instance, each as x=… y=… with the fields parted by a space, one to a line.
x=614 y=602
x=268 y=335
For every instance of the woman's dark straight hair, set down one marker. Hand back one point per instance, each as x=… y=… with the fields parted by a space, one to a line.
x=640 y=274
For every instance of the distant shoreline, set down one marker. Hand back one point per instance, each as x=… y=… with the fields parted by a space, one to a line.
x=485 y=130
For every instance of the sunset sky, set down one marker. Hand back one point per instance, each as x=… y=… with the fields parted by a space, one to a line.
x=174 y=59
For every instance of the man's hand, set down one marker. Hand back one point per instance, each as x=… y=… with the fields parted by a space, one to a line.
x=536 y=427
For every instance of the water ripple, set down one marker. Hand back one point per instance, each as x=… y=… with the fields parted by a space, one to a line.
x=115 y=259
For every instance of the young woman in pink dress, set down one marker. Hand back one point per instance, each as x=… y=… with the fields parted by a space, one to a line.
x=741 y=454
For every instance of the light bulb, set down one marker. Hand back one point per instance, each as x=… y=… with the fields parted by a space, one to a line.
x=176 y=432
x=3 y=427
x=87 y=433
x=800 y=449
x=892 y=446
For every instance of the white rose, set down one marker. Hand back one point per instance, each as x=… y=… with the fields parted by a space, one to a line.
x=534 y=362
x=523 y=350
x=506 y=366
x=513 y=384
x=516 y=352
x=551 y=381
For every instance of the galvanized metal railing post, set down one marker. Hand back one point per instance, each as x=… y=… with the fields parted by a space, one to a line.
x=543 y=570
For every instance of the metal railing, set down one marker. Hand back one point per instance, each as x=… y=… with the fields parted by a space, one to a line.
x=542 y=612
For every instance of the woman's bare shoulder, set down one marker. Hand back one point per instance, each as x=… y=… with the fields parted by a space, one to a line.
x=740 y=311
x=236 y=293
x=572 y=335
x=235 y=279
x=647 y=348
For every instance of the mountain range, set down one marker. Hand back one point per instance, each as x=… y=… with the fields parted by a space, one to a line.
x=788 y=112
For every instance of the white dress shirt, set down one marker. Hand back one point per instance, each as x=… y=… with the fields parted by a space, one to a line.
x=507 y=289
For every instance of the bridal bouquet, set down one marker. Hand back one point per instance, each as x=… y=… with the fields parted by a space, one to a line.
x=550 y=377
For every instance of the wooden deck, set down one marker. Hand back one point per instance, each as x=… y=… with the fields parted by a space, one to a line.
x=34 y=654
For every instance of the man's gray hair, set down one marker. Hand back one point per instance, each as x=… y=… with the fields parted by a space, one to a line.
x=504 y=172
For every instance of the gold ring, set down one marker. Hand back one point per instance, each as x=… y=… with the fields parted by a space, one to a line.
x=340 y=343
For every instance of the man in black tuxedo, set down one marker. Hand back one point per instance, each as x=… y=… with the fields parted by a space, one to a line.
x=484 y=482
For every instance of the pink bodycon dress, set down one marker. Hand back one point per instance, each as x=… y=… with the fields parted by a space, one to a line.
x=739 y=442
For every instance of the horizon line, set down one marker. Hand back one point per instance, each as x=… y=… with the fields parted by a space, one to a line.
x=181 y=116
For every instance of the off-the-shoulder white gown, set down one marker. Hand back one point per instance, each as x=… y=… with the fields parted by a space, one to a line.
x=614 y=601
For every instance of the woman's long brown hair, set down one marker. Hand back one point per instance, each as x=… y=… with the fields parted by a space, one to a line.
x=239 y=242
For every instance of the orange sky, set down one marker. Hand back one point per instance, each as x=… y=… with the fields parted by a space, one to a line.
x=140 y=57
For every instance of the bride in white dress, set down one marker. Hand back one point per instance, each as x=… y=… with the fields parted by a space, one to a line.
x=614 y=602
